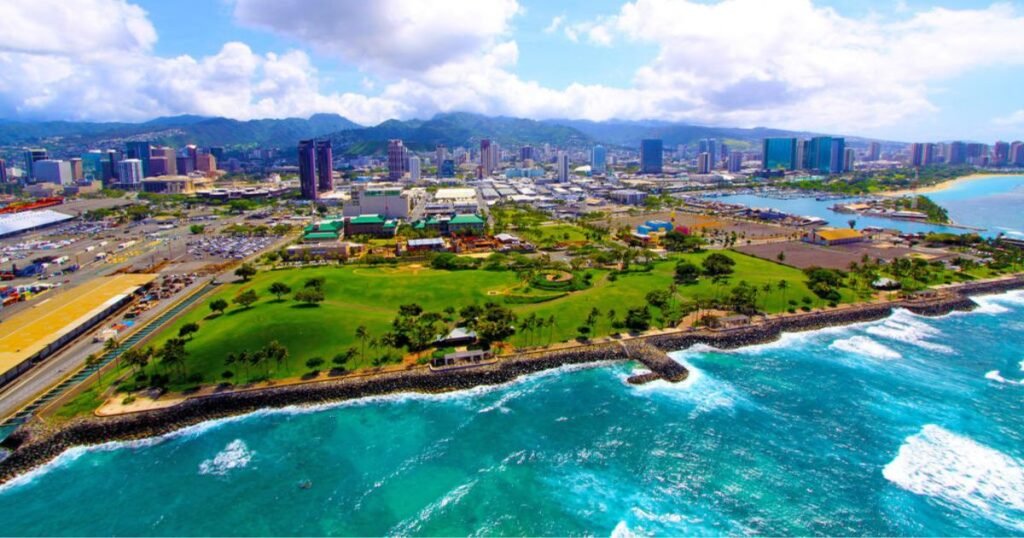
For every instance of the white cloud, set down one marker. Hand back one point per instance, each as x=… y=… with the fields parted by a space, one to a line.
x=390 y=35
x=785 y=63
x=556 y=23
x=1014 y=119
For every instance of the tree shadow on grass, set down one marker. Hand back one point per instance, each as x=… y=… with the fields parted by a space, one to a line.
x=305 y=305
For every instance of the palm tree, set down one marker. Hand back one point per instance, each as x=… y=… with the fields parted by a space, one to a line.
x=92 y=361
x=611 y=319
x=782 y=285
x=767 y=288
x=362 y=334
x=551 y=327
x=110 y=346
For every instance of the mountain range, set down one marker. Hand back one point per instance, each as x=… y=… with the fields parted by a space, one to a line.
x=452 y=129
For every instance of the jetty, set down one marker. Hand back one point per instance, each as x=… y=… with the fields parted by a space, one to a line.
x=661 y=366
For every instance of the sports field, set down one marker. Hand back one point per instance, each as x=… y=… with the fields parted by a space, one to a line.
x=371 y=296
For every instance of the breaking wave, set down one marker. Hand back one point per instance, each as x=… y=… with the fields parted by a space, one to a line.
x=234 y=456
x=863 y=345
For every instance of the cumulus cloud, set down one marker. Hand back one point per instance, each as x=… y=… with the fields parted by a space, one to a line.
x=389 y=35
x=1014 y=119
x=82 y=27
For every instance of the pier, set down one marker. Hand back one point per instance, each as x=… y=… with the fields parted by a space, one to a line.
x=661 y=366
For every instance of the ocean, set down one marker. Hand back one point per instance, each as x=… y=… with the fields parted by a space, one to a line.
x=991 y=203
x=903 y=426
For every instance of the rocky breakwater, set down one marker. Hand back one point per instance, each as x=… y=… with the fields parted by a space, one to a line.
x=661 y=366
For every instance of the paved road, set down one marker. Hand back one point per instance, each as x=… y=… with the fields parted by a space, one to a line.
x=47 y=374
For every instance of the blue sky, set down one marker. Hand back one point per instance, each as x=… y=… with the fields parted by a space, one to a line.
x=907 y=70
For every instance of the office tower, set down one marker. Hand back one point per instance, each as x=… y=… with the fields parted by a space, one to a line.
x=206 y=163
x=562 y=165
x=957 y=153
x=680 y=152
x=170 y=161
x=158 y=166
x=874 y=151
x=928 y=156
x=414 y=168
x=735 y=161
x=704 y=163
x=819 y=154
x=76 y=168
x=489 y=155
x=526 y=153
x=324 y=166
x=1000 y=153
x=849 y=158
x=110 y=168
x=779 y=154
x=440 y=154
x=129 y=172
x=397 y=157
x=218 y=155
x=598 y=160
x=801 y=154
x=709 y=146
x=33 y=156
x=3 y=171
x=916 y=154
x=307 y=169
x=447 y=169
x=142 y=152
x=836 y=156
x=724 y=152
x=650 y=156
x=52 y=171
x=184 y=165
x=1017 y=153
x=92 y=165
x=192 y=152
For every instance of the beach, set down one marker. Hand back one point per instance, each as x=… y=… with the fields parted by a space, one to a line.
x=948 y=184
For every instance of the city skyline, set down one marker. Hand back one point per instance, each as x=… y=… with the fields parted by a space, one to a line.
x=864 y=70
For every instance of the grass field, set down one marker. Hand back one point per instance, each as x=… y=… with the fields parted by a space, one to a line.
x=371 y=296
x=555 y=233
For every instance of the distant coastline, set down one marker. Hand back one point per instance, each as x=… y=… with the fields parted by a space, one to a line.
x=949 y=183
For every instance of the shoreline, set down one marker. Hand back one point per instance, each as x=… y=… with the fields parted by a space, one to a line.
x=949 y=183
x=33 y=445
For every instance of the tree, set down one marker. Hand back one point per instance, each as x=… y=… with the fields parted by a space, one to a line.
x=218 y=305
x=315 y=283
x=314 y=364
x=495 y=324
x=280 y=289
x=611 y=319
x=362 y=334
x=718 y=264
x=188 y=329
x=341 y=359
x=245 y=272
x=197 y=229
x=310 y=296
x=657 y=298
x=246 y=298
x=173 y=354
x=276 y=352
x=93 y=360
x=638 y=319
x=686 y=272
x=781 y=256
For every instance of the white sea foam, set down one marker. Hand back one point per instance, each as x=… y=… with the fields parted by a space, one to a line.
x=960 y=472
x=621 y=530
x=862 y=345
x=994 y=375
x=234 y=456
x=903 y=326
x=412 y=525
x=699 y=390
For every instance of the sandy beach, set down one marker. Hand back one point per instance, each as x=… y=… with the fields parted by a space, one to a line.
x=947 y=184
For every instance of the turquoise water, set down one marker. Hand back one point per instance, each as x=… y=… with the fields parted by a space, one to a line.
x=992 y=203
x=905 y=426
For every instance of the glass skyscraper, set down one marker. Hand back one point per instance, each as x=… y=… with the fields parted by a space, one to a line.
x=779 y=154
x=141 y=151
x=307 y=169
x=650 y=156
x=598 y=160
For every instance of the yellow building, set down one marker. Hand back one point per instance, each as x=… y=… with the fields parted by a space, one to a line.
x=834 y=236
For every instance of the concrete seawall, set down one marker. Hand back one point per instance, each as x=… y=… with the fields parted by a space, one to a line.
x=32 y=445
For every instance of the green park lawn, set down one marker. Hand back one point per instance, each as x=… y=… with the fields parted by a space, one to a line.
x=554 y=233
x=370 y=296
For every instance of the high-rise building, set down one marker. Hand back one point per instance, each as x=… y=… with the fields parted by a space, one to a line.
x=192 y=152
x=709 y=146
x=33 y=156
x=874 y=151
x=307 y=169
x=957 y=153
x=801 y=154
x=397 y=159
x=704 y=163
x=562 y=164
x=158 y=166
x=110 y=169
x=1001 y=153
x=414 y=168
x=3 y=171
x=598 y=160
x=52 y=171
x=76 y=169
x=92 y=165
x=650 y=156
x=218 y=154
x=779 y=154
x=206 y=163
x=324 y=166
x=129 y=172
x=735 y=161
x=171 y=168
x=142 y=152
x=929 y=156
x=837 y=156
x=490 y=155
x=818 y=157
x=526 y=153
x=447 y=169
x=1017 y=153
x=184 y=165
x=440 y=154
x=849 y=158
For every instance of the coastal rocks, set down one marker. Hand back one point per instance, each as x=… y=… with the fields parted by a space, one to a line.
x=661 y=365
